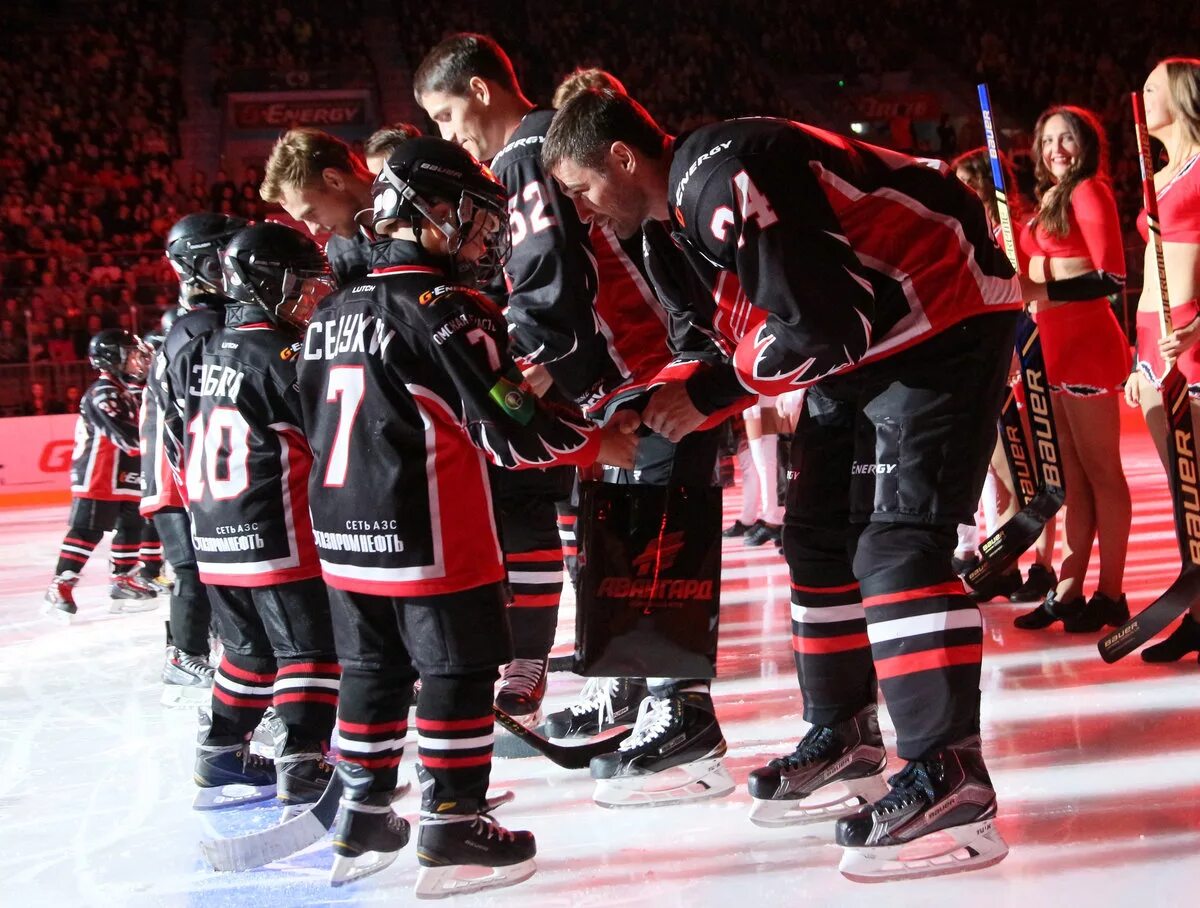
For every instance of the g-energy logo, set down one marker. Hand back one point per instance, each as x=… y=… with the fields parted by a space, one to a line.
x=695 y=165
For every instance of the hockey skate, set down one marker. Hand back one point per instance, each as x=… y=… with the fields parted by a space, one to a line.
x=673 y=755
x=229 y=775
x=462 y=849
x=301 y=780
x=187 y=679
x=160 y=584
x=604 y=704
x=60 y=597
x=522 y=687
x=833 y=771
x=369 y=834
x=130 y=594
x=938 y=818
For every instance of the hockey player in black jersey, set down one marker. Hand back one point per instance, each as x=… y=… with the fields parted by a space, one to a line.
x=106 y=478
x=408 y=392
x=233 y=401
x=318 y=180
x=193 y=249
x=871 y=279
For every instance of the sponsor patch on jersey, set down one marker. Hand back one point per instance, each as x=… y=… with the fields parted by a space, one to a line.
x=513 y=401
x=432 y=296
x=291 y=351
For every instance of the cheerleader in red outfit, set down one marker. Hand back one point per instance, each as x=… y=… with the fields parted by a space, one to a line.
x=1172 y=97
x=1076 y=261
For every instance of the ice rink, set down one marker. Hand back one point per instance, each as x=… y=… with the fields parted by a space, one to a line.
x=1097 y=767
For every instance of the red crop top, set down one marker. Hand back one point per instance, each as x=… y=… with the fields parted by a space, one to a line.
x=1178 y=206
x=1094 y=230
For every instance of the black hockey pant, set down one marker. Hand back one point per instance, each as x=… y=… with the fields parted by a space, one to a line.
x=455 y=643
x=886 y=461
x=278 y=652
x=87 y=523
x=191 y=613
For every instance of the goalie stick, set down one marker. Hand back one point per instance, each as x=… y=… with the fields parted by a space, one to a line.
x=1183 y=474
x=576 y=756
x=255 y=849
x=1001 y=550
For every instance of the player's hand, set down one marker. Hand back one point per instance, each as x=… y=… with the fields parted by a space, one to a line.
x=1133 y=391
x=671 y=412
x=618 y=445
x=538 y=379
x=1179 y=340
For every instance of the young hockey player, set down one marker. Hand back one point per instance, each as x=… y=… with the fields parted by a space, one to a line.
x=106 y=478
x=870 y=278
x=233 y=401
x=408 y=392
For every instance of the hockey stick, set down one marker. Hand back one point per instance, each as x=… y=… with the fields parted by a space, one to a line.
x=1184 y=472
x=1016 y=452
x=255 y=849
x=1001 y=550
x=567 y=756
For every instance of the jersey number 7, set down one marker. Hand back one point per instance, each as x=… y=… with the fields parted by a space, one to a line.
x=346 y=386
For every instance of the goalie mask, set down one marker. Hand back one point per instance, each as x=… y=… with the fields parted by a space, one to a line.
x=279 y=269
x=424 y=171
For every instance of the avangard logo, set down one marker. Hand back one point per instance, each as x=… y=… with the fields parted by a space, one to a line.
x=660 y=553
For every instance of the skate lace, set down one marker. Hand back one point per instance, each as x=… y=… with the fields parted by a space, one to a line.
x=653 y=718
x=522 y=676
x=251 y=760
x=597 y=694
x=485 y=825
x=910 y=785
x=196 y=664
x=813 y=746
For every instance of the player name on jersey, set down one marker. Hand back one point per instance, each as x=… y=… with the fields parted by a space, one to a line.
x=355 y=332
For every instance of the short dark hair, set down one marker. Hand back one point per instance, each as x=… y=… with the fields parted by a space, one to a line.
x=454 y=61
x=383 y=140
x=585 y=127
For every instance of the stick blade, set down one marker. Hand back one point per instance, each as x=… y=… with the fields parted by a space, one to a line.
x=1153 y=619
x=567 y=756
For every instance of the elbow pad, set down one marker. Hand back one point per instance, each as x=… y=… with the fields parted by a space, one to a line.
x=1090 y=286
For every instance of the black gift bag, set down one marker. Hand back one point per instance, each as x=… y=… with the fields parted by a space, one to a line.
x=649 y=582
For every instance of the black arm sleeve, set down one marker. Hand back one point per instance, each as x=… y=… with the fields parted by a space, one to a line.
x=1090 y=286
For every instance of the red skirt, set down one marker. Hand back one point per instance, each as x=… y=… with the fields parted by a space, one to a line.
x=1086 y=351
x=1149 y=360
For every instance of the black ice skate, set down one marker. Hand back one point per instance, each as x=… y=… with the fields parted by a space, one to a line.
x=938 y=818
x=229 y=775
x=522 y=687
x=369 y=834
x=832 y=772
x=462 y=849
x=187 y=679
x=673 y=755
x=60 y=597
x=302 y=779
x=130 y=594
x=604 y=704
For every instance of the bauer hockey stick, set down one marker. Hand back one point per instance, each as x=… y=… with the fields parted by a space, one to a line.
x=1183 y=473
x=1001 y=550
x=568 y=756
x=1016 y=451
x=256 y=849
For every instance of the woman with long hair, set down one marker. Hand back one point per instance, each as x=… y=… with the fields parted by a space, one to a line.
x=1076 y=261
x=1000 y=501
x=1172 y=98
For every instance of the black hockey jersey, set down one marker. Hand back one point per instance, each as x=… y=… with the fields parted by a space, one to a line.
x=106 y=463
x=822 y=252
x=577 y=301
x=349 y=257
x=235 y=404
x=158 y=482
x=408 y=391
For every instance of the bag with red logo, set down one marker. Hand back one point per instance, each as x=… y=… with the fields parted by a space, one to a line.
x=649 y=581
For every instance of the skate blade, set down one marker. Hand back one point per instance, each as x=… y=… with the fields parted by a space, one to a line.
x=130 y=606
x=955 y=850
x=222 y=797
x=458 y=879
x=174 y=695
x=350 y=869
x=700 y=781
x=822 y=806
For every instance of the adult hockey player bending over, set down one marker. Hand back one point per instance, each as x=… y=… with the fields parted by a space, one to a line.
x=232 y=399
x=870 y=278
x=408 y=392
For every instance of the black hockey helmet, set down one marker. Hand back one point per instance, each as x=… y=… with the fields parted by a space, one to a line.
x=156 y=335
x=278 y=268
x=423 y=171
x=120 y=353
x=194 y=247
